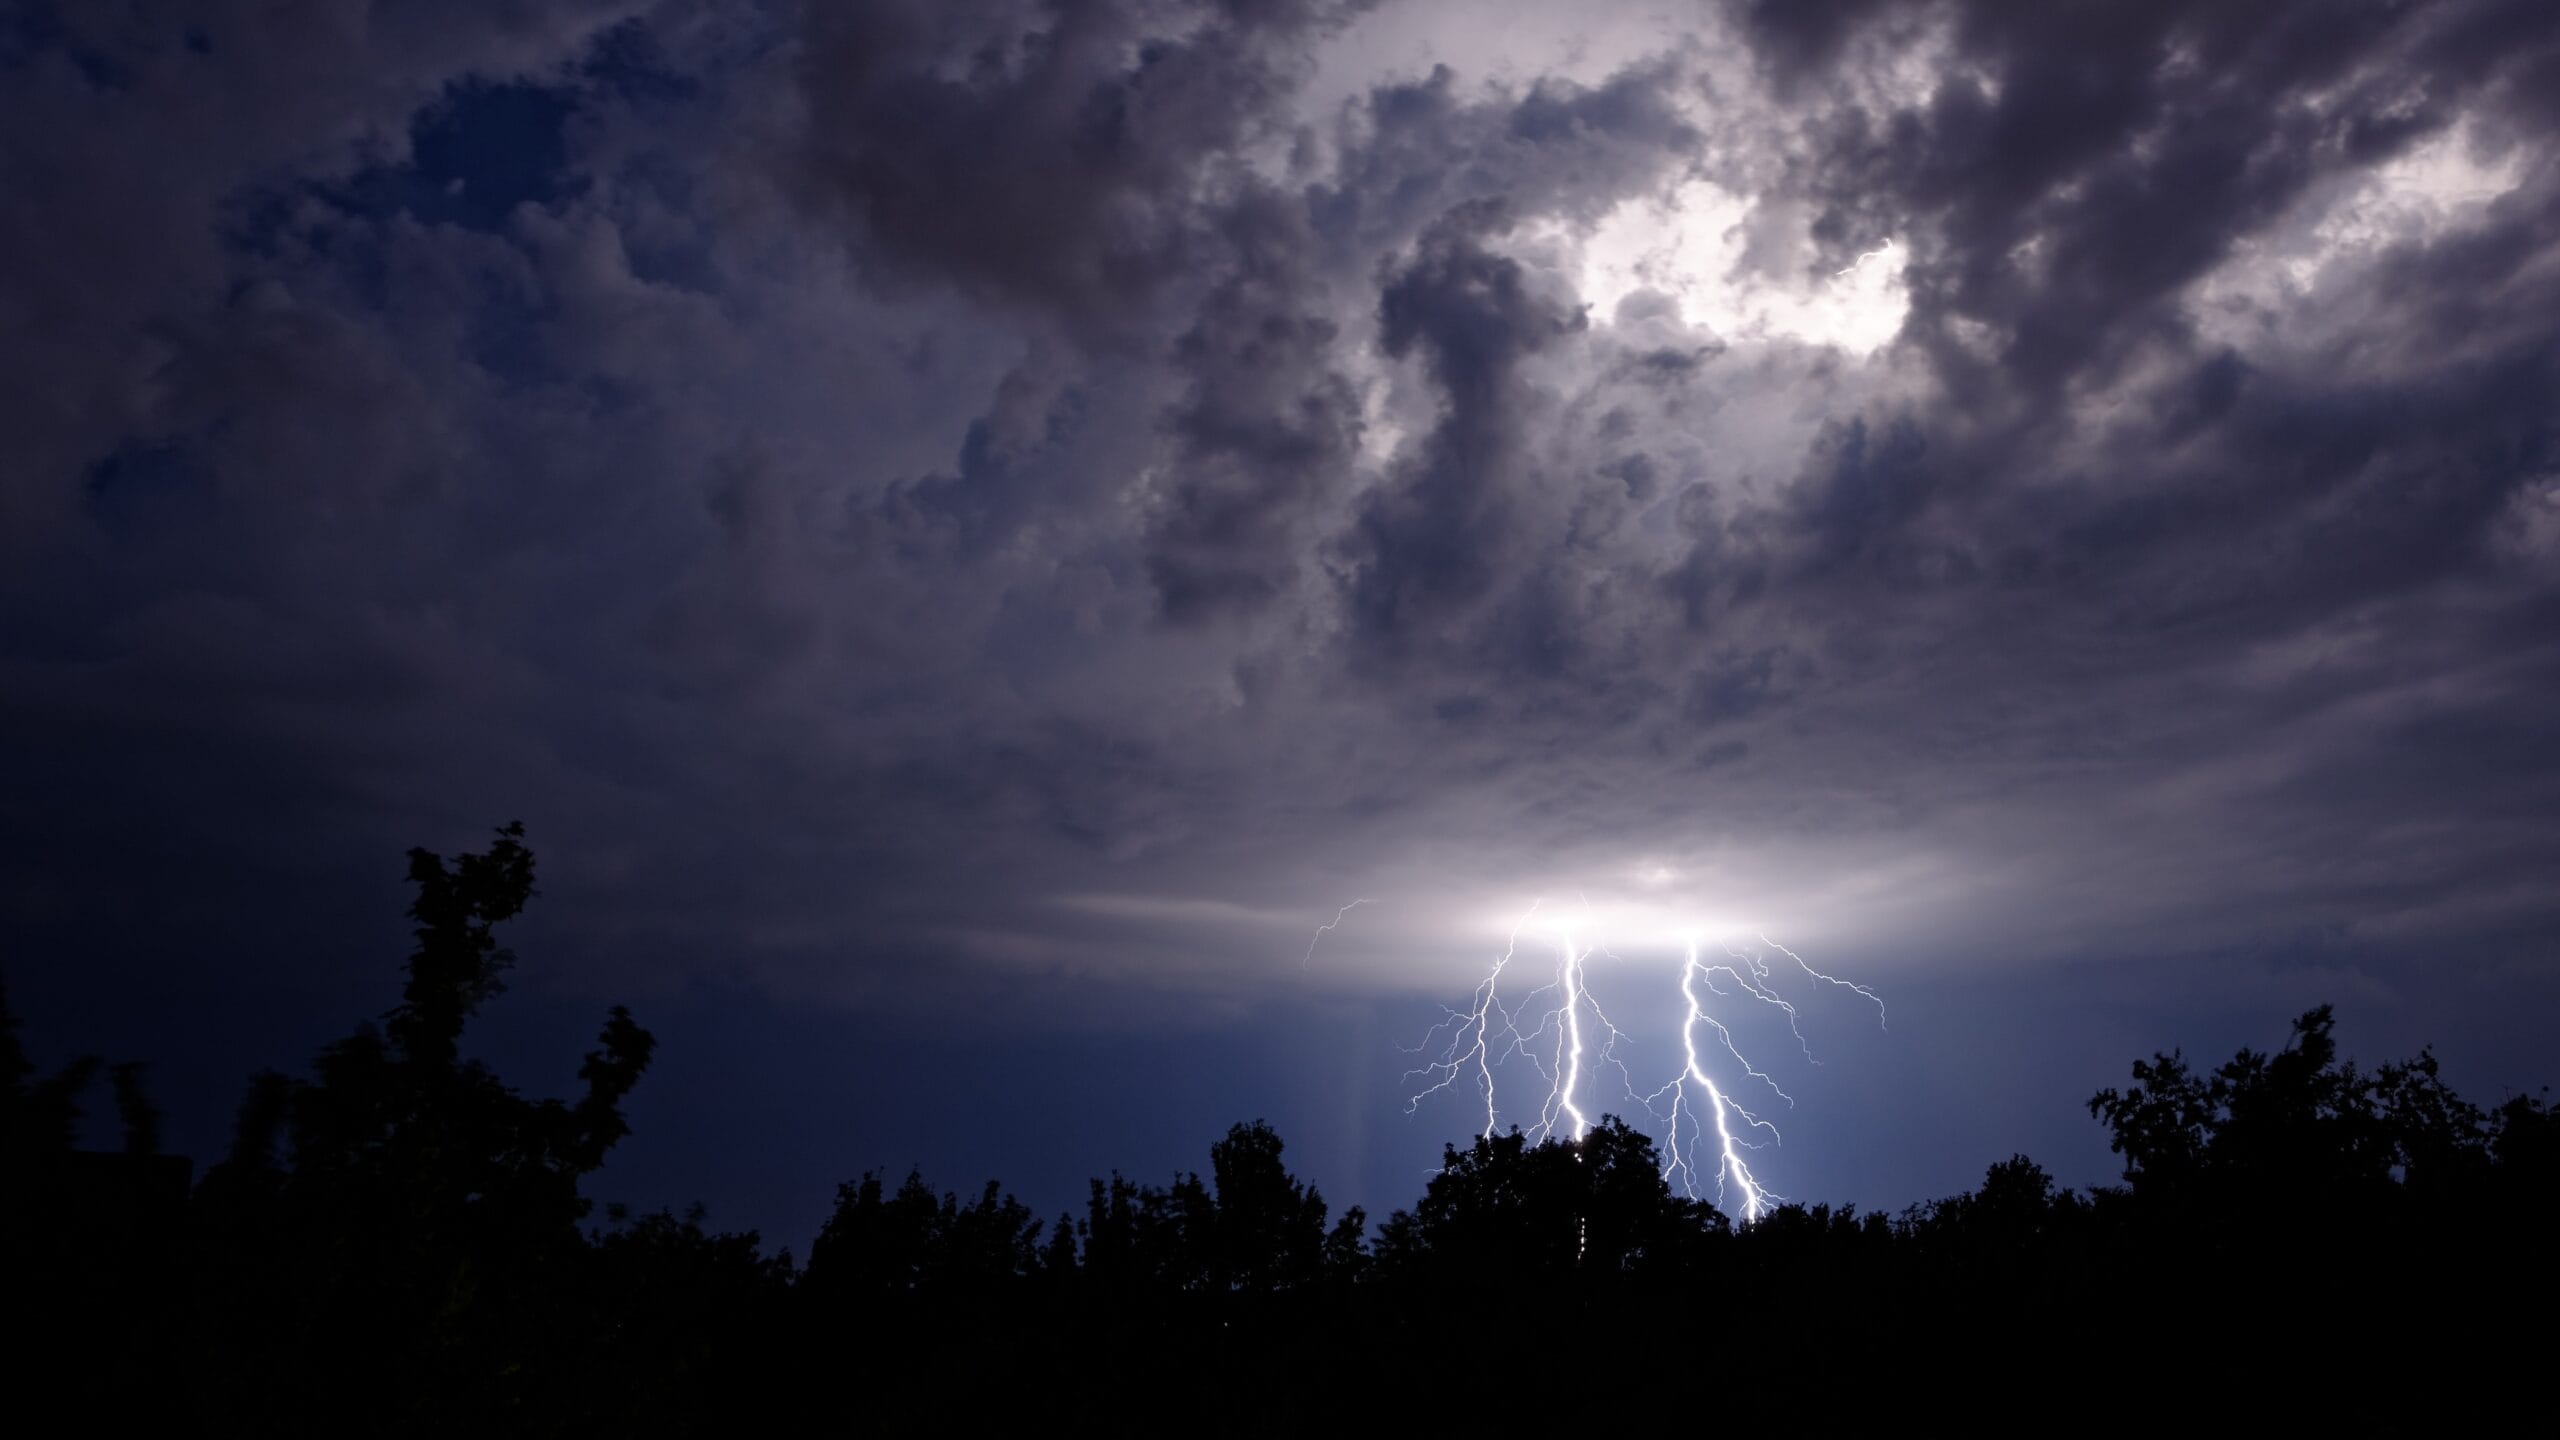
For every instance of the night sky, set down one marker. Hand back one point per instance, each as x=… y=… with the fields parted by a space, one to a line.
x=967 y=529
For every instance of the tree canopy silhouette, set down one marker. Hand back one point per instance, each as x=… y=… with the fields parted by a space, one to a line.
x=399 y=1242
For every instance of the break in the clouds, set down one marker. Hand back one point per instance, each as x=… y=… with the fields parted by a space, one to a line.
x=919 y=500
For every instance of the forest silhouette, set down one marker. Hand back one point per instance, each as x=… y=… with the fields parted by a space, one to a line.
x=397 y=1243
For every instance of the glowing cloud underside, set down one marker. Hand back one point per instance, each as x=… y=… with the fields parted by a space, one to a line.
x=1691 y=244
x=1554 y=1027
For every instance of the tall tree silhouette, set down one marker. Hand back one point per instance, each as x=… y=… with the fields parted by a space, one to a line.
x=402 y=1226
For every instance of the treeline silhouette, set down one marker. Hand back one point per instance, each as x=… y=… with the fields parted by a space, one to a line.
x=396 y=1243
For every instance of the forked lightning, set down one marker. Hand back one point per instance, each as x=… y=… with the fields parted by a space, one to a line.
x=1546 y=1026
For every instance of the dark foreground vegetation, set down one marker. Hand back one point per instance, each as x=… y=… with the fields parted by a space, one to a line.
x=396 y=1244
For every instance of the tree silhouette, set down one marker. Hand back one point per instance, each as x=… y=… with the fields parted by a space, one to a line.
x=1268 y=1228
x=2263 y=1130
x=39 y=1115
x=2269 y=1172
x=88 y=1240
x=397 y=1243
x=402 y=1227
x=1503 y=1210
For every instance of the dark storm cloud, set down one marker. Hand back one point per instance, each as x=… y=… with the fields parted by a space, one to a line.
x=2078 y=166
x=1415 y=150
x=1271 y=423
x=1798 y=38
x=1268 y=424
x=1044 y=152
x=1430 y=539
x=2068 y=218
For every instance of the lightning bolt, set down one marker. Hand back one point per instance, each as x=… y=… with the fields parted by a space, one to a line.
x=1755 y=984
x=1733 y=1173
x=1568 y=1068
x=1880 y=251
x=1328 y=925
x=1829 y=979
x=1555 y=1042
x=1471 y=1036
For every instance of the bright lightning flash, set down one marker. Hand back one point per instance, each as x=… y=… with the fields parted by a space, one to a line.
x=1546 y=1027
x=1882 y=252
